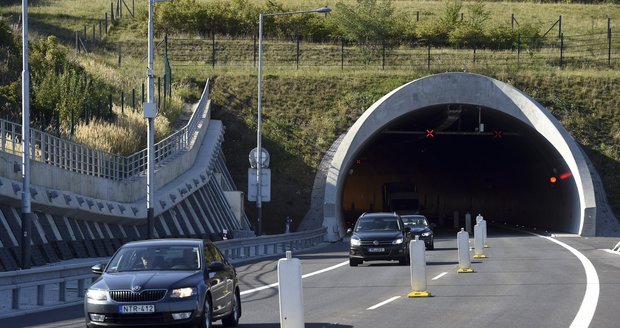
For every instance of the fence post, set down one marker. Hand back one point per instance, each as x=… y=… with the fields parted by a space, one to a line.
x=111 y=13
x=213 y=50
x=110 y=103
x=560 y=35
x=133 y=100
x=77 y=47
x=428 y=57
x=417 y=16
x=158 y=91
x=122 y=102
x=120 y=55
x=561 y=50
x=608 y=41
x=106 y=24
x=142 y=92
x=474 y=55
x=100 y=36
x=94 y=34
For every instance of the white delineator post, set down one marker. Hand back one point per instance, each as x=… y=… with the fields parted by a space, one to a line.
x=462 y=241
x=417 y=256
x=290 y=289
x=478 y=242
x=483 y=223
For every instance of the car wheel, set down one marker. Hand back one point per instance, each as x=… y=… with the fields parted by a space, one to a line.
x=207 y=314
x=354 y=262
x=232 y=320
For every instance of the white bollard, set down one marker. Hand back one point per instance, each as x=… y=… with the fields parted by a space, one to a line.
x=483 y=223
x=417 y=256
x=479 y=218
x=462 y=241
x=291 y=296
x=478 y=243
x=468 y=223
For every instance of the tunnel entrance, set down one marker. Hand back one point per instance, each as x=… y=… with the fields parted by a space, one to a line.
x=466 y=142
x=506 y=171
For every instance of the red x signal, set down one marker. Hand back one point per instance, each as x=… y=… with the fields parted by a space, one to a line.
x=498 y=134
x=430 y=133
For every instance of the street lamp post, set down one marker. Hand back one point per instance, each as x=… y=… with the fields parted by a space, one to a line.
x=259 y=152
x=150 y=111
x=26 y=201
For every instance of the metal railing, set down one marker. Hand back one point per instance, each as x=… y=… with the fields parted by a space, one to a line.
x=71 y=156
x=78 y=276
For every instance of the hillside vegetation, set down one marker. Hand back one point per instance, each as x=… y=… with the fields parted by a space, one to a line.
x=306 y=109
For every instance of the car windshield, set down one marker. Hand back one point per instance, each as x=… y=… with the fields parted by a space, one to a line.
x=415 y=221
x=377 y=224
x=143 y=258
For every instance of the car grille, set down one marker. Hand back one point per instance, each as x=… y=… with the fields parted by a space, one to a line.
x=143 y=296
x=381 y=242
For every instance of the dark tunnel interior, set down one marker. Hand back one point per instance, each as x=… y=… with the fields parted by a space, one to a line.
x=503 y=171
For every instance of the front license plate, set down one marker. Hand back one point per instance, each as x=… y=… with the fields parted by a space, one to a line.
x=376 y=249
x=136 y=308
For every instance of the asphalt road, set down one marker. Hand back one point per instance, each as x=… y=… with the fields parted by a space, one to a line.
x=526 y=281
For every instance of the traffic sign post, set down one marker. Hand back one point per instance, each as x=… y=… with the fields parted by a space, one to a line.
x=265 y=185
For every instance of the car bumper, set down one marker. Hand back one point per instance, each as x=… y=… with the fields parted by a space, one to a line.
x=389 y=253
x=161 y=317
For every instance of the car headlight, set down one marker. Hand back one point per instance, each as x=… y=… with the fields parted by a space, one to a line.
x=397 y=241
x=97 y=294
x=426 y=234
x=183 y=292
x=355 y=242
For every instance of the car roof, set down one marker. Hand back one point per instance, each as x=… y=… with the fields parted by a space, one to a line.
x=412 y=216
x=379 y=215
x=166 y=242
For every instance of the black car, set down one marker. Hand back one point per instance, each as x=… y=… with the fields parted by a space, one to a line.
x=420 y=227
x=164 y=282
x=379 y=236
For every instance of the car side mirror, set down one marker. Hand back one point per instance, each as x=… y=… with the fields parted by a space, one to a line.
x=407 y=229
x=216 y=267
x=349 y=231
x=97 y=268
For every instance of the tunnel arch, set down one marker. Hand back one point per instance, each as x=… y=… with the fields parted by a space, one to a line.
x=469 y=90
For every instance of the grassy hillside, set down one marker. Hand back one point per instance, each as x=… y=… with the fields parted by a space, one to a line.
x=306 y=109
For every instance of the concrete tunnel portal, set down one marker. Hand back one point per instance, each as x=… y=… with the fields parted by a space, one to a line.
x=468 y=143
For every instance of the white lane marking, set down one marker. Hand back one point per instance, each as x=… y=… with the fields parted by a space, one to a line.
x=275 y=284
x=590 y=299
x=383 y=303
x=440 y=275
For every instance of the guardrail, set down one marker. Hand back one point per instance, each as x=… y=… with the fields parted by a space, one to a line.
x=52 y=150
x=269 y=245
x=31 y=289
